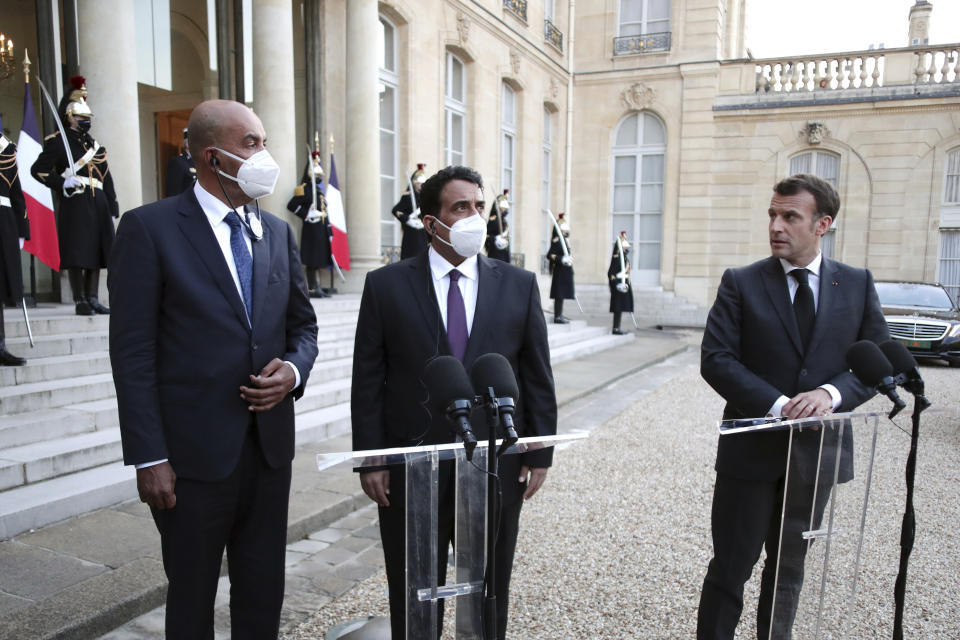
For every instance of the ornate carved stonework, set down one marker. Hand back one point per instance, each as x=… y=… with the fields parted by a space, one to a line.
x=814 y=132
x=554 y=87
x=463 y=26
x=638 y=96
x=515 y=61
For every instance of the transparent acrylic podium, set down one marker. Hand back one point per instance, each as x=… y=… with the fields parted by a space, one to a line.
x=422 y=482
x=824 y=515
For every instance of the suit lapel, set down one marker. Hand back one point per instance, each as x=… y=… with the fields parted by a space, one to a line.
x=775 y=282
x=421 y=287
x=261 y=271
x=826 y=301
x=195 y=226
x=488 y=277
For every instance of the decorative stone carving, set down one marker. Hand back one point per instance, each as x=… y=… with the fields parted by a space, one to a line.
x=638 y=96
x=814 y=132
x=554 y=87
x=515 y=61
x=463 y=26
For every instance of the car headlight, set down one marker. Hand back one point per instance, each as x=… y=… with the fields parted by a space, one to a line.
x=954 y=330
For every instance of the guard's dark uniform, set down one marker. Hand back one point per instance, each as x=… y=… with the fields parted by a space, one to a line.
x=496 y=225
x=415 y=240
x=13 y=226
x=314 y=236
x=561 y=284
x=620 y=301
x=181 y=175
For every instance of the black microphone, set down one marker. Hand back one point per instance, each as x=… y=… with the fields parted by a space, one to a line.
x=493 y=379
x=450 y=394
x=874 y=370
x=904 y=366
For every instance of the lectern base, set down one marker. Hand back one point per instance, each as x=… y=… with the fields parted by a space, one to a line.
x=373 y=628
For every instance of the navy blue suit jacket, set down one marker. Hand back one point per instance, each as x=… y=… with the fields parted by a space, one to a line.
x=752 y=352
x=181 y=345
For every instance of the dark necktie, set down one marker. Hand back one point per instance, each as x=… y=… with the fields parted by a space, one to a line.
x=243 y=260
x=456 y=318
x=803 y=305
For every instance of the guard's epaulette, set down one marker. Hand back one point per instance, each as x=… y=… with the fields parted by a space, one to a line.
x=299 y=189
x=52 y=135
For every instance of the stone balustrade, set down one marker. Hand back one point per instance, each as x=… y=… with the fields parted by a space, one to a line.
x=936 y=65
x=821 y=73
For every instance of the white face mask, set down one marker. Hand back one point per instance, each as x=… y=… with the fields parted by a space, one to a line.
x=466 y=235
x=257 y=175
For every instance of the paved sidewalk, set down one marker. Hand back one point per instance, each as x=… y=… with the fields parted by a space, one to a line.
x=90 y=575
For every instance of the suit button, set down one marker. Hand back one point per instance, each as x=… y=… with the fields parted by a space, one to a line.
x=803 y=372
x=256 y=346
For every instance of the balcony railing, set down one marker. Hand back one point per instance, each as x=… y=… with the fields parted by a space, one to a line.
x=645 y=43
x=937 y=65
x=553 y=35
x=850 y=71
x=517 y=8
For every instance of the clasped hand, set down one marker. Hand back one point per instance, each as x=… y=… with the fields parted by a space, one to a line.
x=275 y=381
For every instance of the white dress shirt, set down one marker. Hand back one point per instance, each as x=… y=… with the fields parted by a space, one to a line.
x=216 y=212
x=792 y=285
x=440 y=270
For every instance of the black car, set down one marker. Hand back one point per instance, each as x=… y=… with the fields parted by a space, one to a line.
x=923 y=317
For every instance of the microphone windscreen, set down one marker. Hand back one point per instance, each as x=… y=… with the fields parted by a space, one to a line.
x=446 y=380
x=494 y=370
x=868 y=363
x=900 y=359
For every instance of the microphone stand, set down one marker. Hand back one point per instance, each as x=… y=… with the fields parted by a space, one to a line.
x=908 y=527
x=492 y=404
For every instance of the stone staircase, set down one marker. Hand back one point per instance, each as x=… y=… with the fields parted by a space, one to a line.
x=60 y=453
x=653 y=306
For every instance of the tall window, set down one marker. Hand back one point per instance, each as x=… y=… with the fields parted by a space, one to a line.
x=389 y=179
x=455 y=111
x=508 y=137
x=549 y=11
x=638 y=17
x=638 y=167
x=546 y=171
x=948 y=265
x=826 y=165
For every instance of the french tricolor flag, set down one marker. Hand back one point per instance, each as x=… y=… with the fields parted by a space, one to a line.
x=43 y=226
x=338 y=220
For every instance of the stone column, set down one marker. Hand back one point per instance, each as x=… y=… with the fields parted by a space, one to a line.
x=106 y=27
x=360 y=180
x=273 y=97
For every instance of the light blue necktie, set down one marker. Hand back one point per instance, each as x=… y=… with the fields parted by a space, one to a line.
x=243 y=261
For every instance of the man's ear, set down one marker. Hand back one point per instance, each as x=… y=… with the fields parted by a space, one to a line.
x=823 y=225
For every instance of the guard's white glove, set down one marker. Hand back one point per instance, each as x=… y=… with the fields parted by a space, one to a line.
x=500 y=241
x=313 y=216
x=69 y=184
x=21 y=243
x=414 y=221
x=622 y=287
x=567 y=261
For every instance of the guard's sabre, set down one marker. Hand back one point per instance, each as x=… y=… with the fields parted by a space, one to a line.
x=623 y=277
x=56 y=118
x=313 y=178
x=413 y=201
x=566 y=250
x=26 y=320
x=336 y=266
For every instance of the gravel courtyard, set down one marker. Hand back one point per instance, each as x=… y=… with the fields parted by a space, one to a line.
x=617 y=542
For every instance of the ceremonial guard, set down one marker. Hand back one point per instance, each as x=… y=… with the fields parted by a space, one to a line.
x=415 y=239
x=181 y=174
x=498 y=231
x=618 y=275
x=14 y=229
x=75 y=169
x=309 y=204
x=561 y=268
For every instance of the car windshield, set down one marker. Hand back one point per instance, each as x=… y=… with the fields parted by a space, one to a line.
x=905 y=294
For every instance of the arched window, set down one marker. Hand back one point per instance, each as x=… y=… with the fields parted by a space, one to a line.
x=639 y=149
x=389 y=176
x=826 y=165
x=948 y=263
x=455 y=111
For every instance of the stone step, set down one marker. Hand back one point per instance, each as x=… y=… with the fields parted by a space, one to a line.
x=55 y=368
x=561 y=339
x=35 y=505
x=36 y=426
x=593 y=345
x=36 y=396
x=46 y=324
x=60 y=344
x=40 y=461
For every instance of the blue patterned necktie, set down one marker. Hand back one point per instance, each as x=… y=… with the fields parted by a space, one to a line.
x=456 y=318
x=243 y=260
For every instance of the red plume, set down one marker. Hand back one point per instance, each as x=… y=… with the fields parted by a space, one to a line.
x=77 y=82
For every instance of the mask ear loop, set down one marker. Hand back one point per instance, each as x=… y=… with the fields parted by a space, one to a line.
x=244 y=219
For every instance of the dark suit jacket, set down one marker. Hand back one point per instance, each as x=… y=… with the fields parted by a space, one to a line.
x=181 y=346
x=752 y=352
x=400 y=329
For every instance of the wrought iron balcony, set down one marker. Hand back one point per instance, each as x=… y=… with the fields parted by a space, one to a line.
x=517 y=8
x=644 y=43
x=553 y=35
